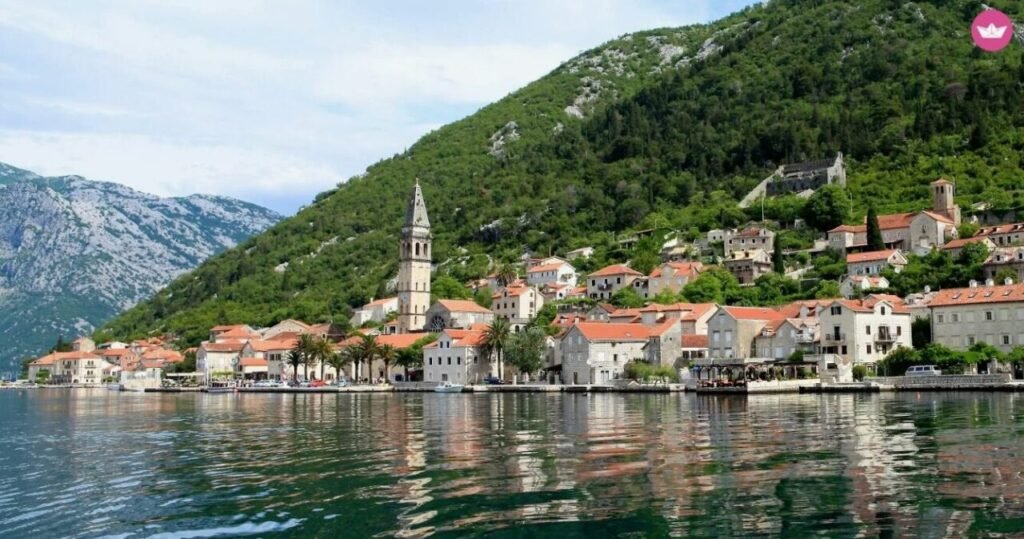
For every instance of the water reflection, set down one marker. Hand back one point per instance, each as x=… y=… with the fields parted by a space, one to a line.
x=415 y=465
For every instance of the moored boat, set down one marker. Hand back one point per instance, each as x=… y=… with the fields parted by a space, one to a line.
x=448 y=387
x=113 y=387
x=220 y=387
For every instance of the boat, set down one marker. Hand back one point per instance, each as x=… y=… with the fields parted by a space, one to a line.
x=448 y=387
x=113 y=387
x=220 y=387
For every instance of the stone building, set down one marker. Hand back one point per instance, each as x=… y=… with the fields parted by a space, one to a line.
x=809 y=175
x=414 y=265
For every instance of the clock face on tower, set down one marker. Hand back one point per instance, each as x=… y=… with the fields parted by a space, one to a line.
x=436 y=323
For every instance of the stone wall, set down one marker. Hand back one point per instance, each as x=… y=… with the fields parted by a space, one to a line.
x=953 y=381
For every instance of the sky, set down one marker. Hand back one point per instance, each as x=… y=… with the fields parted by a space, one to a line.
x=270 y=101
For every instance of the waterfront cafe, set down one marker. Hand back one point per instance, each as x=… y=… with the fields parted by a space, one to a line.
x=738 y=372
x=253 y=368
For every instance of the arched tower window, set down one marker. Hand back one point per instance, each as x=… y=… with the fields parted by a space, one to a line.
x=417 y=249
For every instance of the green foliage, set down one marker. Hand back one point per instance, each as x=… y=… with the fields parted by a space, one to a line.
x=874 y=233
x=830 y=265
x=921 y=332
x=42 y=376
x=60 y=345
x=859 y=372
x=445 y=287
x=827 y=208
x=778 y=265
x=526 y=350
x=484 y=297
x=496 y=338
x=937 y=270
x=947 y=360
x=826 y=290
x=665 y=297
x=667 y=147
x=1005 y=274
x=796 y=357
x=967 y=229
x=645 y=372
x=627 y=298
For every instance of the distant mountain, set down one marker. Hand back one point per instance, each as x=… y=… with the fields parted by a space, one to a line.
x=661 y=129
x=75 y=252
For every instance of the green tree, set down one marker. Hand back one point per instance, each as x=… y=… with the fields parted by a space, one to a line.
x=875 y=241
x=921 y=332
x=665 y=297
x=778 y=265
x=495 y=338
x=627 y=298
x=294 y=359
x=320 y=350
x=338 y=361
x=484 y=297
x=526 y=350
x=1006 y=275
x=827 y=208
x=445 y=287
x=42 y=376
x=388 y=355
x=827 y=290
x=506 y=274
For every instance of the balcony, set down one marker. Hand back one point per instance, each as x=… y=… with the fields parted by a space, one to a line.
x=833 y=338
x=805 y=338
x=604 y=286
x=885 y=336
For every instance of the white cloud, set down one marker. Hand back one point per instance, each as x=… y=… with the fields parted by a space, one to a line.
x=257 y=98
x=164 y=167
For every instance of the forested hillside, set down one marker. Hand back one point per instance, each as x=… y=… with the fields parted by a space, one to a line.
x=667 y=129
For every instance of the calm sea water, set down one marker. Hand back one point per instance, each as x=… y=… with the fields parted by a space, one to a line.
x=95 y=463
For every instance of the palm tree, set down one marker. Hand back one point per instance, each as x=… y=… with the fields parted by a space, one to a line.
x=495 y=337
x=321 y=351
x=366 y=350
x=407 y=357
x=337 y=361
x=506 y=274
x=295 y=358
x=307 y=347
x=387 y=354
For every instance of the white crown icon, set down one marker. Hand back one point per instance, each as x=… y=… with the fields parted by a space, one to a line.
x=991 y=31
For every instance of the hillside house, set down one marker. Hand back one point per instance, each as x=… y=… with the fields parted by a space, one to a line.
x=605 y=282
x=747 y=266
x=874 y=262
x=749 y=239
x=597 y=352
x=809 y=175
x=989 y=313
x=375 y=311
x=458 y=356
x=1005 y=258
x=457 y=314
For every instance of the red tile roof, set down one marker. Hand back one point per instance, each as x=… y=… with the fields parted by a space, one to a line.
x=690 y=268
x=870 y=256
x=961 y=242
x=615 y=269
x=601 y=331
x=238 y=333
x=1001 y=229
x=753 y=313
x=981 y=294
x=402 y=340
x=694 y=341
x=463 y=305
x=227 y=328
x=547 y=267
x=252 y=362
x=273 y=345
x=380 y=301
x=227 y=346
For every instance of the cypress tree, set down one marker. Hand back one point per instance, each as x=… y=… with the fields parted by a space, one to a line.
x=875 y=242
x=778 y=266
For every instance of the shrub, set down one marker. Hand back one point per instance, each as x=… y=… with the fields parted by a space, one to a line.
x=859 y=372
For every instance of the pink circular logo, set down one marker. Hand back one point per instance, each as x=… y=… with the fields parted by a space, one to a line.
x=992 y=30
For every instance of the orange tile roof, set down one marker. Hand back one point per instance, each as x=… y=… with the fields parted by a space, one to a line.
x=601 y=331
x=463 y=305
x=961 y=242
x=750 y=231
x=273 y=345
x=547 y=267
x=868 y=304
x=466 y=337
x=113 y=352
x=402 y=340
x=694 y=341
x=225 y=328
x=1001 y=229
x=658 y=330
x=690 y=268
x=237 y=333
x=227 y=346
x=792 y=310
x=380 y=301
x=753 y=313
x=615 y=269
x=870 y=256
x=982 y=294
x=252 y=362
x=698 y=310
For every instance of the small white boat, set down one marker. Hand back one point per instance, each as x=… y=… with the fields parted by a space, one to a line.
x=448 y=387
x=113 y=387
x=221 y=387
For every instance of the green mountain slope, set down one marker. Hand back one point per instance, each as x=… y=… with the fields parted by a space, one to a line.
x=664 y=128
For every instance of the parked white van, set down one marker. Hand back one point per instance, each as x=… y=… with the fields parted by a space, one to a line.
x=924 y=370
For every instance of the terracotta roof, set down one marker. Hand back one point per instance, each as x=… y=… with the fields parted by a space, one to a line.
x=380 y=301
x=601 y=331
x=680 y=267
x=873 y=280
x=694 y=341
x=285 y=336
x=238 y=333
x=466 y=337
x=463 y=305
x=981 y=294
x=961 y=242
x=113 y=352
x=698 y=310
x=868 y=304
x=748 y=232
x=152 y=364
x=511 y=291
x=227 y=346
x=402 y=340
x=273 y=345
x=226 y=328
x=160 y=353
x=252 y=362
x=615 y=269
x=658 y=330
x=792 y=310
x=870 y=256
x=892 y=221
x=1001 y=229
x=753 y=313
x=546 y=267
x=938 y=217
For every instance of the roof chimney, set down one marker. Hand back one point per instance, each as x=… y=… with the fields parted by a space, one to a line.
x=1008 y=281
x=989 y=282
x=927 y=289
x=973 y=284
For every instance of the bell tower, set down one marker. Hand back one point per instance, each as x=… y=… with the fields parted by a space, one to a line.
x=414 y=265
x=943 y=203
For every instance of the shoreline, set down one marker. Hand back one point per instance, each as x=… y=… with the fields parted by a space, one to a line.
x=953 y=384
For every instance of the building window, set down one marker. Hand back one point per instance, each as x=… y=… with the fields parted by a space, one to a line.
x=836 y=310
x=956 y=318
x=1006 y=340
x=844 y=350
x=867 y=330
x=899 y=330
x=970 y=340
x=989 y=316
x=869 y=349
x=942 y=319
